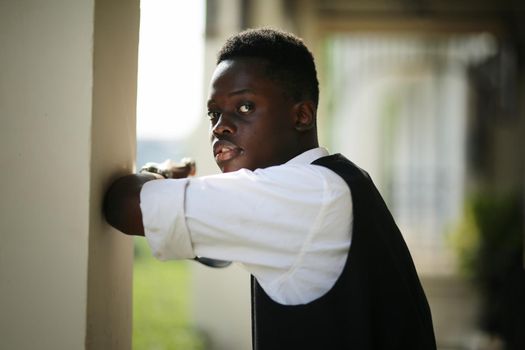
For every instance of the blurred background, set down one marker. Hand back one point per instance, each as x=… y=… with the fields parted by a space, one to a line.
x=426 y=95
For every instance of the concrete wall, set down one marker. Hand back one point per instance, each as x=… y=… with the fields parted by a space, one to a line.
x=67 y=103
x=113 y=147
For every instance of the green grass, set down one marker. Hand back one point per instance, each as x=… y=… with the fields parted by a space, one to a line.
x=161 y=300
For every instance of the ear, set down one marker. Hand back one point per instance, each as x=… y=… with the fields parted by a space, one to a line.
x=305 y=113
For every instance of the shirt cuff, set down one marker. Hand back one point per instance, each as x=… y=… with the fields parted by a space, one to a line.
x=162 y=206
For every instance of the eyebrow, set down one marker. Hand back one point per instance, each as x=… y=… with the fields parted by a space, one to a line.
x=235 y=93
x=240 y=92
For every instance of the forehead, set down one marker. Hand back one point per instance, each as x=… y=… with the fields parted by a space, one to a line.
x=241 y=74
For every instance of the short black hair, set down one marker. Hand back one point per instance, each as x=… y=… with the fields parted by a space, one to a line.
x=289 y=62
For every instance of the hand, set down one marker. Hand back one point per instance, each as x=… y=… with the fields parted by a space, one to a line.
x=170 y=169
x=186 y=167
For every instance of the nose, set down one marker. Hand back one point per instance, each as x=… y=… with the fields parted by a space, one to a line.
x=224 y=125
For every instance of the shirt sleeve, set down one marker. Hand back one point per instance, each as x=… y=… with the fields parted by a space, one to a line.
x=288 y=225
x=162 y=206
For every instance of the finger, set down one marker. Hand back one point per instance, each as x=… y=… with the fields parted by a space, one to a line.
x=190 y=163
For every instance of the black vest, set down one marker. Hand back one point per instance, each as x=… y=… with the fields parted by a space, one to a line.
x=376 y=303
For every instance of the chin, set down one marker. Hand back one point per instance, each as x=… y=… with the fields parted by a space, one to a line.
x=228 y=168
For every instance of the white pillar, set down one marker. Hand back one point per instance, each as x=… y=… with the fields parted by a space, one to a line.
x=67 y=109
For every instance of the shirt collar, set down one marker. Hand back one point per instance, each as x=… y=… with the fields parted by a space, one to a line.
x=309 y=156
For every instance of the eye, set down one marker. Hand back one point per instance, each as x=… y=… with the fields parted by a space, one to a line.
x=245 y=108
x=214 y=115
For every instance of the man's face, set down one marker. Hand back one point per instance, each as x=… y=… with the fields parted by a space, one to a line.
x=252 y=123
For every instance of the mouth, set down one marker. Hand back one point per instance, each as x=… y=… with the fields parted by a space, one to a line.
x=224 y=151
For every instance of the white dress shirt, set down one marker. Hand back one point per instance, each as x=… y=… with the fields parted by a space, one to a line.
x=288 y=225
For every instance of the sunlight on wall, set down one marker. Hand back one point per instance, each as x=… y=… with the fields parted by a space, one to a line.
x=170 y=75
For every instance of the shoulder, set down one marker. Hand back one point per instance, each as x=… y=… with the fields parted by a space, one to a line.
x=299 y=175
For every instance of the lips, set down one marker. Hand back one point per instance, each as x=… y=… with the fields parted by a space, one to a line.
x=224 y=151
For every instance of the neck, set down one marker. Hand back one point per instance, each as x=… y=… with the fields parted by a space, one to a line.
x=308 y=141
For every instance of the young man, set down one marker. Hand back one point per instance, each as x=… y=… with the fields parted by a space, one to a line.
x=330 y=269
